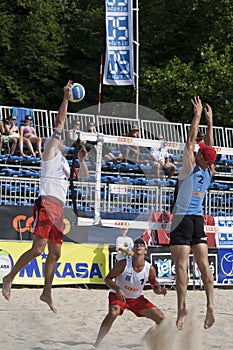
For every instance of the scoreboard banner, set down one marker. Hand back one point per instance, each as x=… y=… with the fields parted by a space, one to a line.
x=119 y=65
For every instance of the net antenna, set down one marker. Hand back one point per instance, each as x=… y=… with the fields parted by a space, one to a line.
x=136 y=43
x=100 y=89
x=99 y=147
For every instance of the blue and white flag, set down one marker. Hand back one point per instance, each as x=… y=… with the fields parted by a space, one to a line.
x=119 y=65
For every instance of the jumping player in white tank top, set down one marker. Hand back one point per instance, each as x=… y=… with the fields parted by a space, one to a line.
x=48 y=208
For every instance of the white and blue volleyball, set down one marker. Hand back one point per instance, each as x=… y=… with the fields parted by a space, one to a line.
x=77 y=93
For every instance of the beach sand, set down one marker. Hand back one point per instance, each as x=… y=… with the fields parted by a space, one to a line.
x=27 y=323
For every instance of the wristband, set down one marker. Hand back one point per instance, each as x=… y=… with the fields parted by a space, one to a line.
x=153 y=281
x=56 y=135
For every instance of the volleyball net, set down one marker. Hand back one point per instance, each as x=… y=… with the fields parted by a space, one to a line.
x=126 y=194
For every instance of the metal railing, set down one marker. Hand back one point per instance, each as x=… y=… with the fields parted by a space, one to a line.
x=112 y=125
x=115 y=198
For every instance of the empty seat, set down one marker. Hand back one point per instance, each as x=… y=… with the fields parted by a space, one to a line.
x=11 y=172
x=29 y=173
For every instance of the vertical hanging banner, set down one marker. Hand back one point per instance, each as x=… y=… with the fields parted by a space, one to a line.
x=119 y=65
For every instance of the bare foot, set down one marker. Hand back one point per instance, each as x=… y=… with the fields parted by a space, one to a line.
x=180 y=318
x=209 y=320
x=48 y=300
x=6 y=288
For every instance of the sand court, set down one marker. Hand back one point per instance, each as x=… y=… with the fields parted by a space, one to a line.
x=27 y=323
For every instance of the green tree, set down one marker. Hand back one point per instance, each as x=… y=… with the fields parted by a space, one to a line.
x=30 y=52
x=189 y=51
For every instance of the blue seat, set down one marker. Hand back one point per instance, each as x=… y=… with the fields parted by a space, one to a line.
x=11 y=188
x=69 y=149
x=9 y=172
x=32 y=159
x=29 y=173
x=4 y=157
x=132 y=180
x=142 y=181
x=145 y=167
x=229 y=161
x=218 y=185
x=25 y=203
x=228 y=201
x=171 y=182
x=8 y=202
x=16 y=158
x=127 y=209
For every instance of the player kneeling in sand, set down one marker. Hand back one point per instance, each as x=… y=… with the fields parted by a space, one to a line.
x=127 y=280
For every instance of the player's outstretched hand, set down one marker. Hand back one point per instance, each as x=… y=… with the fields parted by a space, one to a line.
x=159 y=289
x=197 y=104
x=208 y=113
x=67 y=89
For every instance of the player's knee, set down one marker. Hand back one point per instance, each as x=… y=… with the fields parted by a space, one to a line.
x=161 y=317
x=114 y=312
x=208 y=278
x=37 y=250
x=56 y=254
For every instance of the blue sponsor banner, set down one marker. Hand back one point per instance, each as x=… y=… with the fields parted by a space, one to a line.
x=225 y=240
x=119 y=65
x=225 y=266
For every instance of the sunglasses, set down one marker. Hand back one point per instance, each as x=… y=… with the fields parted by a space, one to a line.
x=139 y=245
x=13 y=119
x=28 y=119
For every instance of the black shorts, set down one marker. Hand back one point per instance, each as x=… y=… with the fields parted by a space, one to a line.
x=187 y=230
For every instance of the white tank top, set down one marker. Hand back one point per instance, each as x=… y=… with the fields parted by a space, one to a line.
x=132 y=282
x=54 y=177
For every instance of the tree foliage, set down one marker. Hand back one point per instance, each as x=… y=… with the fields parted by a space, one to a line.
x=185 y=50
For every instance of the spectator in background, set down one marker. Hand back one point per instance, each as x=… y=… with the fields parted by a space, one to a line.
x=91 y=145
x=124 y=245
x=28 y=132
x=160 y=160
x=92 y=128
x=12 y=131
x=131 y=151
x=15 y=139
x=73 y=134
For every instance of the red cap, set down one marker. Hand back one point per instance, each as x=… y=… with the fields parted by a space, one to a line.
x=208 y=152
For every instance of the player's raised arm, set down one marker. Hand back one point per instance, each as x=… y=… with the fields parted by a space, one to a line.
x=52 y=144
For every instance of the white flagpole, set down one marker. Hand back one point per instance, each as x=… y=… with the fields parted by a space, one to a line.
x=136 y=43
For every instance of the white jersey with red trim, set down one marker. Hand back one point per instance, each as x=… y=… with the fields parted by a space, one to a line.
x=132 y=282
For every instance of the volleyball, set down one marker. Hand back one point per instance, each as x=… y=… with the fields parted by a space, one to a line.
x=77 y=93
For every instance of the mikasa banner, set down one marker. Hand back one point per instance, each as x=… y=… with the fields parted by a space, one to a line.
x=119 y=67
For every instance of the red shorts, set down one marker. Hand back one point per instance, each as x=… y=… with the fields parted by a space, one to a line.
x=48 y=220
x=134 y=305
